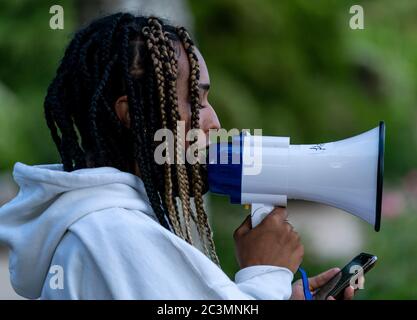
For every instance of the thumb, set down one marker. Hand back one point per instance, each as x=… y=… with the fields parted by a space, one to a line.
x=244 y=227
x=321 y=279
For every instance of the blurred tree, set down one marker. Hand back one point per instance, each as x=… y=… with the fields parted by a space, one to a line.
x=29 y=54
x=296 y=68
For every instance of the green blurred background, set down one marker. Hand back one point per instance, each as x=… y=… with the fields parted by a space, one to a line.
x=292 y=68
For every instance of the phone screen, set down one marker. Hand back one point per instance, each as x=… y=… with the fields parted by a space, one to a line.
x=359 y=265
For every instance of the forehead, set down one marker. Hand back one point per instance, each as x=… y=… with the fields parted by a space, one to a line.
x=184 y=65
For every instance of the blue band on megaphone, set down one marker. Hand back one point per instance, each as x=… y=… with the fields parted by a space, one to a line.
x=225 y=178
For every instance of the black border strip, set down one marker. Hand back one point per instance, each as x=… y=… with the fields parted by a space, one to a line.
x=380 y=175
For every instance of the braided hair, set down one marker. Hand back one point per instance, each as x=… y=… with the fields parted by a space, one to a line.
x=119 y=55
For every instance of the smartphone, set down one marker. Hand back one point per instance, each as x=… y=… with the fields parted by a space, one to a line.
x=350 y=274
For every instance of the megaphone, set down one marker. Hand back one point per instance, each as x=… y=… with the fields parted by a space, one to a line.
x=266 y=171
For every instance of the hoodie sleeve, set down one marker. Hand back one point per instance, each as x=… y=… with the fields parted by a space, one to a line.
x=122 y=254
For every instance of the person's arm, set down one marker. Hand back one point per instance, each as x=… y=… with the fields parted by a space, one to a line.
x=265 y=282
x=120 y=254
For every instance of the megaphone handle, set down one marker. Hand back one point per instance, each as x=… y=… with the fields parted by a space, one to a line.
x=258 y=212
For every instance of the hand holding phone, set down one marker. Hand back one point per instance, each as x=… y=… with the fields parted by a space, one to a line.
x=350 y=274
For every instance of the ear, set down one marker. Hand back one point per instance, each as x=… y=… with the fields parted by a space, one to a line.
x=122 y=110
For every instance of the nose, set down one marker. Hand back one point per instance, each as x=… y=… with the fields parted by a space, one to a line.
x=209 y=120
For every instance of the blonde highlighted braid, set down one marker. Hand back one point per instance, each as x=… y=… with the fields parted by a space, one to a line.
x=166 y=67
x=203 y=224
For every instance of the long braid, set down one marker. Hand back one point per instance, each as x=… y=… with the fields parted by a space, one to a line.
x=93 y=109
x=160 y=80
x=175 y=115
x=168 y=38
x=168 y=68
x=136 y=115
x=203 y=222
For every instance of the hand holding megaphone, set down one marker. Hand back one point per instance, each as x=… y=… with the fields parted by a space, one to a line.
x=272 y=242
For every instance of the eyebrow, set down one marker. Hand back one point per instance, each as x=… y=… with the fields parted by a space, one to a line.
x=204 y=86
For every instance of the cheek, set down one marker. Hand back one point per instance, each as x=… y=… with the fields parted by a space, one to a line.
x=184 y=110
x=207 y=119
x=203 y=118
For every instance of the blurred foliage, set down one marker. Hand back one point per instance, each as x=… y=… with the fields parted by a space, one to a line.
x=394 y=274
x=295 y=68
x=292 y=68
x=29 y=53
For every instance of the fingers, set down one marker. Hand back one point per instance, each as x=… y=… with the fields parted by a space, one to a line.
x=243 y=228
x=297 y=291
x=277 y=217
x=349 y=293
x=321 y=279
x=280 y=212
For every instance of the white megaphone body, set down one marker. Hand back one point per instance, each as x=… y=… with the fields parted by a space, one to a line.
x=265 y=171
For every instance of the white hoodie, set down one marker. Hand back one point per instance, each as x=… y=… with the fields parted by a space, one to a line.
x=92 y=234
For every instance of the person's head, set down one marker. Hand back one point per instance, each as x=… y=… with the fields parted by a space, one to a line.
x=121 y=79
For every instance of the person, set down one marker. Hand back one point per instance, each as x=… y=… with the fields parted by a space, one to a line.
x=109 y=222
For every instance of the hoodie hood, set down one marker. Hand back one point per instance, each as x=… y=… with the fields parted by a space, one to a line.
x=49 y=201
